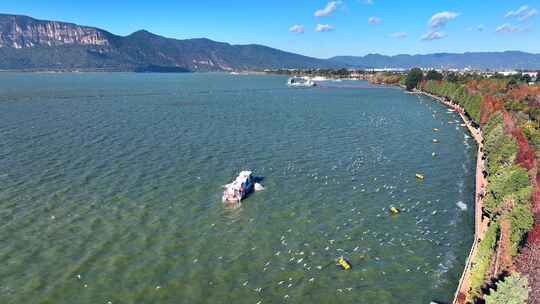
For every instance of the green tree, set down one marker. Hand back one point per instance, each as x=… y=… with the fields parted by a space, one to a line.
x=434 y=75
x=413 y=78
x=511 y=84
x=526 y=78
x=452 y=77
x=513 y=290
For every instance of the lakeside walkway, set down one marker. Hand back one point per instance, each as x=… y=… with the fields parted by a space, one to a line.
x=481 y=223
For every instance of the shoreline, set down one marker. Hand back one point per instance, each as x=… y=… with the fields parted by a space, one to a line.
x=480 y=223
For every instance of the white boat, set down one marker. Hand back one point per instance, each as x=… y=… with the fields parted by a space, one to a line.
x=300 y=81
x=236 y=191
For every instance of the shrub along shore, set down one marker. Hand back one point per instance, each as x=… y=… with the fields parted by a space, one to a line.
x=507 y=114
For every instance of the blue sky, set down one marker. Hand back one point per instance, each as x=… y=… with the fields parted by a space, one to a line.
x=347 y=27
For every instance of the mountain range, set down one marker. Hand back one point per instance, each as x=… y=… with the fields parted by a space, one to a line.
x=31 y=44
x=473 y=60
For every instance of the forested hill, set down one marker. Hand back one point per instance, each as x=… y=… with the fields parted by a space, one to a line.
x=28 y=43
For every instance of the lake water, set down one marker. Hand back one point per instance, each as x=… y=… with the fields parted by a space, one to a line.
x=110 y=191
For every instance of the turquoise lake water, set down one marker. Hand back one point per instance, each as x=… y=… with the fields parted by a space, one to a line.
x=110 y=191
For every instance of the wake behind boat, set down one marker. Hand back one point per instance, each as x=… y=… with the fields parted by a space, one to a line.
x=300 y=81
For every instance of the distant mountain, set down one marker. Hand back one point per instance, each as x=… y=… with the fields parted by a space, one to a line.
x=30 y=44
x=475 y=60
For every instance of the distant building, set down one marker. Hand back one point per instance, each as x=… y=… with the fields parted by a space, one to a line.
x=509 y=73
x=386 y=70
x=355 y=74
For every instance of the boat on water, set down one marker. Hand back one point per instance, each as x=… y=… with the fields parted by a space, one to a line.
x=240 y=188
x=300 y=81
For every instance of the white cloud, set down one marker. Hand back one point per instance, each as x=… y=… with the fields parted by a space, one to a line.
x=523 y=13
x=324 y=28
x=328 y=9
x=368 y=2
x=529 y=14
x=439 y=20
x=374 y=20
x=399 y=35
x=433 y=35
x=297 y=28
x=507 y=28
x=517 y=12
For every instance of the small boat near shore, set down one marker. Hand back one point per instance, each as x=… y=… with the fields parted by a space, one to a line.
x=300 y=81
x=240 y=188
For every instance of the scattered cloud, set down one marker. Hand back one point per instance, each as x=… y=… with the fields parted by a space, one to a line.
x=529 y=14
x=374 y=20
x=507 y=28
x=439 y=20
x=399 y=35
x=433 y=35
x=328 y=9
x=523 y=13
x=369 y=2
x=324 y=28
x=297 y=28
x=517 y=12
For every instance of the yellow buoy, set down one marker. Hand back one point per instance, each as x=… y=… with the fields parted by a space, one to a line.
x=344 y=264
x=394 y=210
x=419 y=176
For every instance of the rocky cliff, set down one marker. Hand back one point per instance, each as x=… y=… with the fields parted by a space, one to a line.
x=24 y=32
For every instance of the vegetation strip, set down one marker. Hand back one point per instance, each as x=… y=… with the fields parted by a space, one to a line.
x=506 y=112
x=511 y=172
